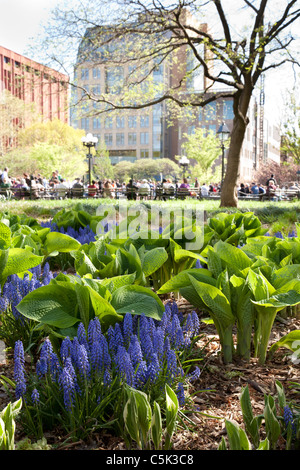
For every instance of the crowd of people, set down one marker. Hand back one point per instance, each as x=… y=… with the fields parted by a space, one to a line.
x=110 y=188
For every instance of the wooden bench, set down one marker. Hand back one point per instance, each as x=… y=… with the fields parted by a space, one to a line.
x=77 y=193
x=144 y=193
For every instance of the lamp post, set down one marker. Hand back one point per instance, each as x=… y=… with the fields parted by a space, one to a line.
x=184 y=162
x=223 y=133
x=89 y=141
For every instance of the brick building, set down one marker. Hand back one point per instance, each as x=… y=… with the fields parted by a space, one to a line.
x=34 y=83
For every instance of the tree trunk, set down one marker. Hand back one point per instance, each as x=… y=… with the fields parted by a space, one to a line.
x=229 y=188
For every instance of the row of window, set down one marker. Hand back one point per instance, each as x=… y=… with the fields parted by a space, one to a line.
x=131 y=139
x=108 y=122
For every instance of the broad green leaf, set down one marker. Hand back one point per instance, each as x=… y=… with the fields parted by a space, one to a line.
x=106 y=313
x=215 y=300
x=153 y=260
x=61 y=242
x=182 y=280
x=5 y=236
x=233 y=257
x=18 y=260
x=137 y=300
x=52 y=305
x=290 y=341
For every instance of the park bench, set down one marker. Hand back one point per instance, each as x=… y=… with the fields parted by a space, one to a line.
x=144 y=193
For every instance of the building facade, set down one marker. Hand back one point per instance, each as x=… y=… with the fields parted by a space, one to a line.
x=35 y=83
x=148 y=133
x=128 y=135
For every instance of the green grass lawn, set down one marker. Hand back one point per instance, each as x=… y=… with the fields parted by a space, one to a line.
x=269 y=212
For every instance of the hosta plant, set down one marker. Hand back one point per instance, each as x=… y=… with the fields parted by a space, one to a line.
x=236 y=289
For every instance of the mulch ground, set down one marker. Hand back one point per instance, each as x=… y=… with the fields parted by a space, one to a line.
x=213 y=398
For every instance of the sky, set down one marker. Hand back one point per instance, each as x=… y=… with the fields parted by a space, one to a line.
x=21 y=20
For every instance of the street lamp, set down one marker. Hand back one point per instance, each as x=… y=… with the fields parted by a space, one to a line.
x=184 y=162
x=223 y=134
x=89 y=141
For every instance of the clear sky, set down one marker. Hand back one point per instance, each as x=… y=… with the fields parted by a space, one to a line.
x=21 y=20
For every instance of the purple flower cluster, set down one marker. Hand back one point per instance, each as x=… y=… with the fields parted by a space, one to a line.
x=140 y=351
x=82 y=235
x=16 y=288
x=289 y=419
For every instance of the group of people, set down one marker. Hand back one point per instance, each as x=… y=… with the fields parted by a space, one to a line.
x=246 y=189
x=109 y=187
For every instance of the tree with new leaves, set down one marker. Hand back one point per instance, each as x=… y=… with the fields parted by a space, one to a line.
x=47 y=146
x=203 y=149
x=139 y=36
x=290 y=145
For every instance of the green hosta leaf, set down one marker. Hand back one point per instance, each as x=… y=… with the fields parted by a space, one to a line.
x=156 y=426
x=279 y=301
x=172 y=407
x=271 y=423
x=130 y=416
x=56 y=241
x=237 y=437
x=137 y=300
x=153 y=260
x=5 y=236
x=83 y=265
x=83 y=301
x=17 y=260
x=251 y=422
x=233 y=258
x=182 y=280
x=105 y=311
x=52 y=305
x=214 y=262
x=216 y=302
x=259 y=285
x=116 y=282
x=290 y=341
x=264 y=445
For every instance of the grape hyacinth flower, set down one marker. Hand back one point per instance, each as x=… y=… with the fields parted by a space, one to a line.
x=68 y=387
x=19 y=370
x=289 y=418
x=180 y=394
x=35 y=397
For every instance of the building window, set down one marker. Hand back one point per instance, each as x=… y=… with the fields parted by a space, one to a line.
x=108 y=139
x=131 y=122
x=132 y=138
x=96 y=74
x=144 y=120
x=144 y=138
x=108 y=123
x=120 y=122
x=96 y=123
x=85 y=123
x=84 y=74
x=156 y=154
x=120 y=139
x=114 y=79
x=144 y=153
x=96 y=90
x=228 y=110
